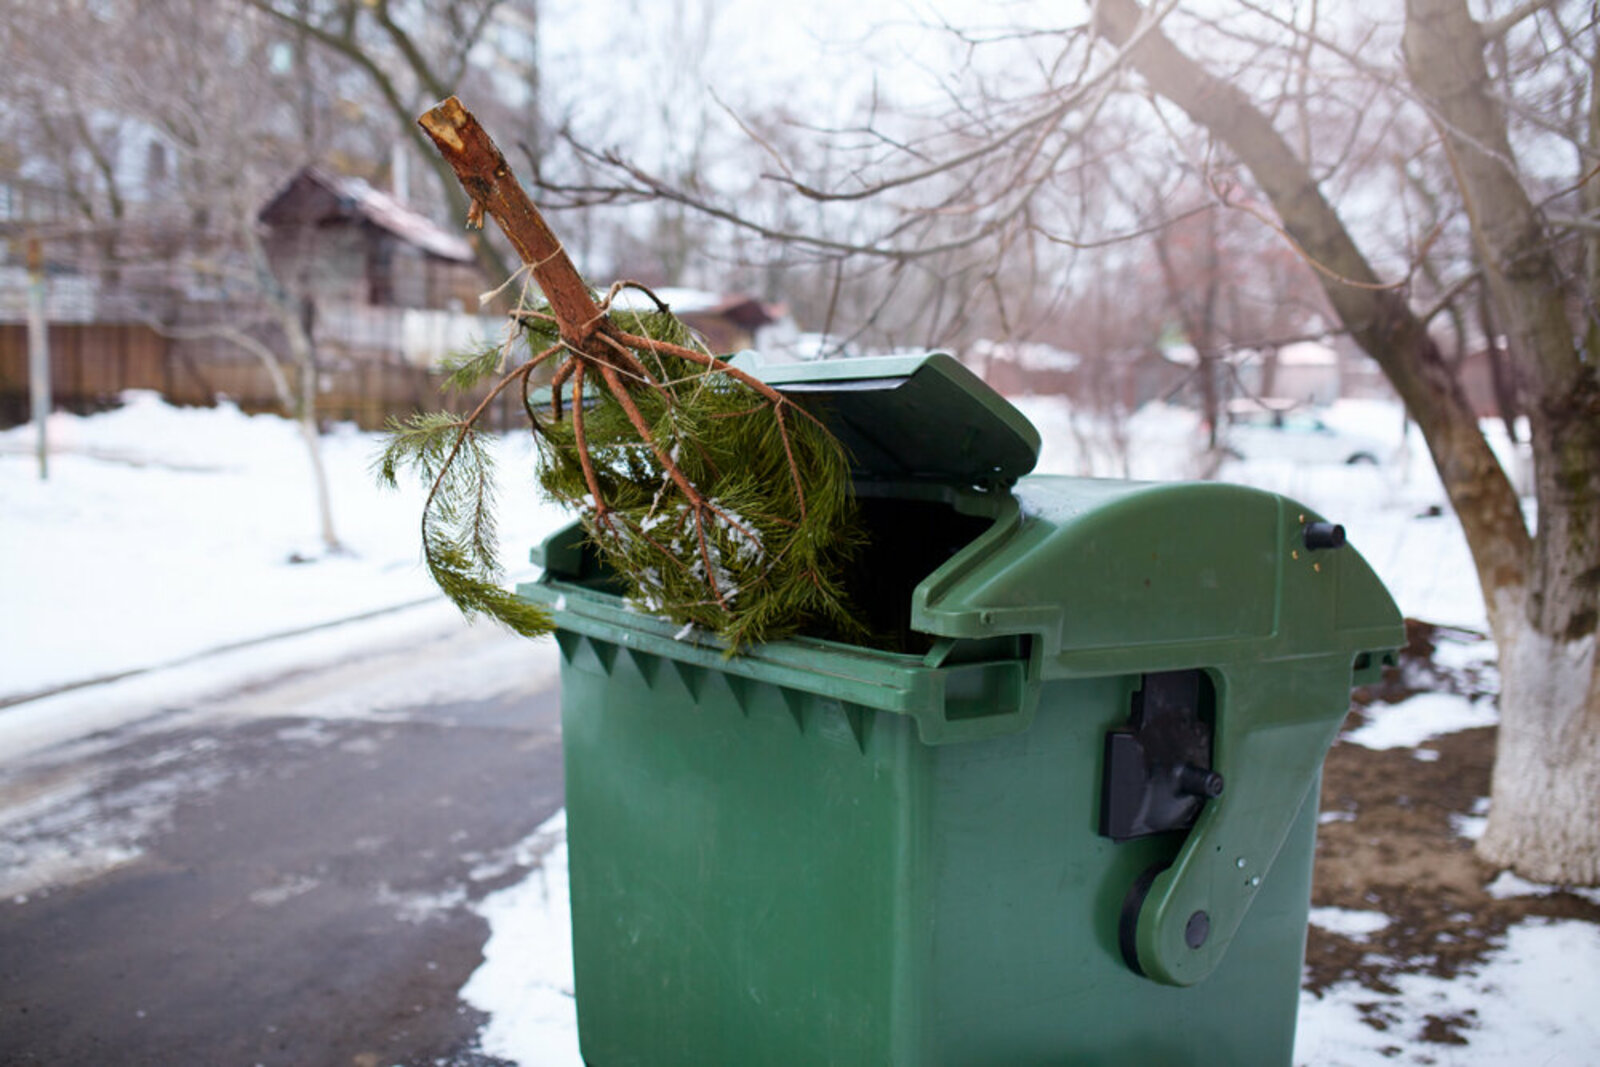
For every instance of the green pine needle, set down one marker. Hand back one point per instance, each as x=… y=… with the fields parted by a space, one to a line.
x=753 y=565
x=459 y=537
x=463 y=370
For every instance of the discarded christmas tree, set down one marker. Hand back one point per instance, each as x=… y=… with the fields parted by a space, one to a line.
x=716 y=500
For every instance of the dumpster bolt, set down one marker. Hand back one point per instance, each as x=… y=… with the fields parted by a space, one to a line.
x=1199 y=781
x=1255 y=881
x=1197 y=930
x=1239 y=863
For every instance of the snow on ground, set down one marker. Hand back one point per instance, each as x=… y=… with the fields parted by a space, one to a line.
x=1408 y=724
x=1507 y=885
x=525 y=981
x=165 y=533
x=1471 y=826
x=1531 y=1003
x=82 y=825
x=34 y=725
x=1349 y=923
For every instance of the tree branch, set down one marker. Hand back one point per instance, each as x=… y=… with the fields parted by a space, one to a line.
x=1044 y=120
x=1377 y=317
x=1499 y=27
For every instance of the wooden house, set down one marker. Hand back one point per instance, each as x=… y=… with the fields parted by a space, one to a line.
x=348 y=243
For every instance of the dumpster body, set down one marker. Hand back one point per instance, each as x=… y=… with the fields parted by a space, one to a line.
x=1072 y=822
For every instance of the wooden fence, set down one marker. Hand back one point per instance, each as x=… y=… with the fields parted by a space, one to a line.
x=92 y=364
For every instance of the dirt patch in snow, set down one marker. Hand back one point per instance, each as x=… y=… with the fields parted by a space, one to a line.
x=1396 y=838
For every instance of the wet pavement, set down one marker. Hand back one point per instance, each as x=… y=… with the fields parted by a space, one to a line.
x=273 y=888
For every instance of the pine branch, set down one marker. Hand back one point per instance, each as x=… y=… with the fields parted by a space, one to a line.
x=459 y=539
x=463 y=370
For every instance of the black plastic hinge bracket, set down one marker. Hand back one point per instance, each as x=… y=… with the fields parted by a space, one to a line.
x=1157 y=772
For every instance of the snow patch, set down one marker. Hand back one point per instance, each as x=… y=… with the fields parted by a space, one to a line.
x=528 y=853
x=1460 y=655
x=287 y=889
x=1426 y=715
x=1472 y=825
x=1530 y=1002
x=1348 y=923
x=421 y=907
x=312 y=732
x=263 y=680
x=194 y=512
x=85 y=827
x=525 y=982
x=1508 y=885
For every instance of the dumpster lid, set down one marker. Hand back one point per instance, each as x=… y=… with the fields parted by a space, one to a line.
x=913 y=417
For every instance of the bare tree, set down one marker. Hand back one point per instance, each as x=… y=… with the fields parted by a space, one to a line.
x=229 y=100
x=1545 y=601
x=1195 y=296
x=164 y=82
x=1541 y=593
x=412 y=56
x=62 y=140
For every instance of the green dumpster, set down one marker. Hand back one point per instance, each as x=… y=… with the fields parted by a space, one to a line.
x=1071 y=824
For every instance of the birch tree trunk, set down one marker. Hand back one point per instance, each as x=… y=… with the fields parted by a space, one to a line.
x=1545 y=815
x=303 y=348
x=299 y=401
x=1540 y=594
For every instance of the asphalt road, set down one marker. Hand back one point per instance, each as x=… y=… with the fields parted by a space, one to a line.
x=244 y=881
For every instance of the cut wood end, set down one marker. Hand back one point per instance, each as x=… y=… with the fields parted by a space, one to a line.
x=444 y=122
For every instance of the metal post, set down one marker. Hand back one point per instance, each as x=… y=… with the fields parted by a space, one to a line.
x=38 y=354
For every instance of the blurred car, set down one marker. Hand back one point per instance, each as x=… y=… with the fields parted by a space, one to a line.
x=1273 y=429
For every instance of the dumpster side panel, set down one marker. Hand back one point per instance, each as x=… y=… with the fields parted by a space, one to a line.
x=743 y=864
x=1027 y=901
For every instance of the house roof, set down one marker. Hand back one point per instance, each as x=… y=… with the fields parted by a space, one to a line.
x=1307 y=354
x=343 y=197
x=744 y=311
